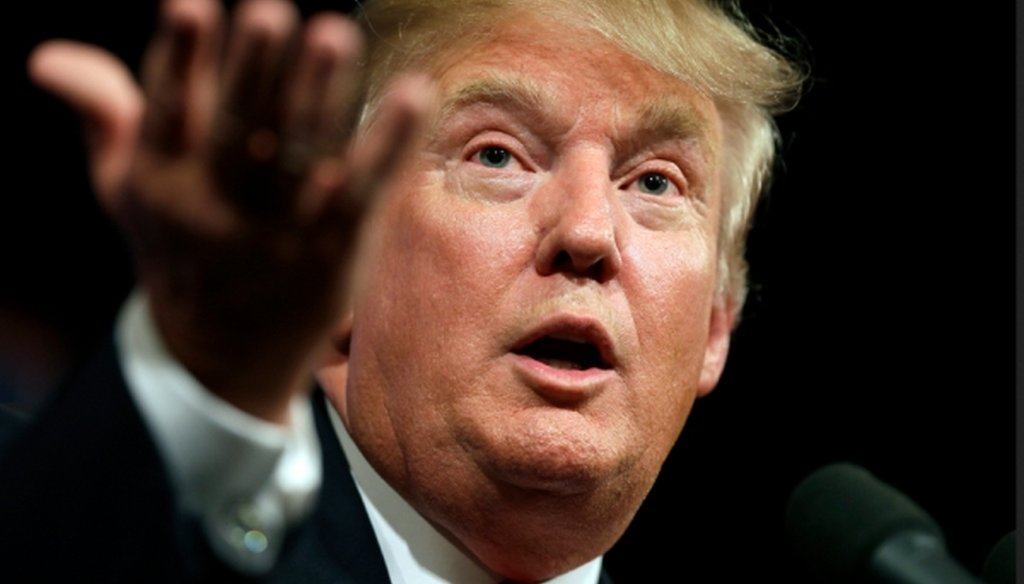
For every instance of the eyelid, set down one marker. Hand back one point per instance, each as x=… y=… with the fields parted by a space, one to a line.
x=485 y=140
x=668 y=169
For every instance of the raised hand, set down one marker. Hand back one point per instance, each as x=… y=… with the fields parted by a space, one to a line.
x=235 y=172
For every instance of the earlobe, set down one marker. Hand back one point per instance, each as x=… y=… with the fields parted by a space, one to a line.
x=332 y=374
x=341 y=338
x=723 y=316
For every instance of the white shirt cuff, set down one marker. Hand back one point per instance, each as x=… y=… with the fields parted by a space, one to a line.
x=248 y=479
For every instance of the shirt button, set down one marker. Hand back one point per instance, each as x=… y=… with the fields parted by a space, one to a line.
x=247 y=534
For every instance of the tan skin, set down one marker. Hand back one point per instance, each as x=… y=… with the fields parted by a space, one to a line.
x=559 y=234
x=512 y=221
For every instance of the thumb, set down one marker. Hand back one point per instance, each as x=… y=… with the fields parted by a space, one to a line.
x=101 y=89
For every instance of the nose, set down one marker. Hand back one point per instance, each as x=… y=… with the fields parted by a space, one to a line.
x=578 y=221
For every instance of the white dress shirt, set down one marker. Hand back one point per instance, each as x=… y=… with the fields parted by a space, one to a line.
x=246 y=478
x=249 y=479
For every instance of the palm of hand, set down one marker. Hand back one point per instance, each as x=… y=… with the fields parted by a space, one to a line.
x=237 y=182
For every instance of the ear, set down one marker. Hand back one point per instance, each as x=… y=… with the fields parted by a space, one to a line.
x=333 y=372
x=723 y=317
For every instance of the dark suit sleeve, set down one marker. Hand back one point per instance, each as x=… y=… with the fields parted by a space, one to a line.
x=85 y=496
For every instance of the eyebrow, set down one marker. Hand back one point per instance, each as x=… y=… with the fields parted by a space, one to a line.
x=513 y=93
x=665 y=120
x=659 y=120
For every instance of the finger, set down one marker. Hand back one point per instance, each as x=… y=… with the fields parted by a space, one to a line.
x=247 y=129
x=102 y=90
x=323 y=86
x=389 y=140
x=178 y=75
x=321 y=104
x=260 y=36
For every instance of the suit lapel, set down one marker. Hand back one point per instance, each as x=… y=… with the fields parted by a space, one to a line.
x=337 y=544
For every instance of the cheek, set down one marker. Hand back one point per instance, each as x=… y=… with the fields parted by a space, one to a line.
x=674 y=280
x=445 y=264
x=672 y=286
x=469 y=250
x=444 y=268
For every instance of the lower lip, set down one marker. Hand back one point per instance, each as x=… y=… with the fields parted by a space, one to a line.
x=561 y=385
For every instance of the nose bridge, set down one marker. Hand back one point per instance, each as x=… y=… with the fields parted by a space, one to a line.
x=587 y=197
x=581 y=234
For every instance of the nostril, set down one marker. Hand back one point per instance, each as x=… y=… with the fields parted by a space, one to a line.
x=562 y=262
x=579 y=249
x=594 y=268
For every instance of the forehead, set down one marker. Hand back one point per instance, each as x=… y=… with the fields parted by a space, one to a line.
x=562 y=72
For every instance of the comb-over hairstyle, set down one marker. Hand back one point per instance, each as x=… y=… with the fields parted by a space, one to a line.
x=708 y=45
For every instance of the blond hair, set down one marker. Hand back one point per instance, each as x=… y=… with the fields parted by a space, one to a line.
x=709 y=46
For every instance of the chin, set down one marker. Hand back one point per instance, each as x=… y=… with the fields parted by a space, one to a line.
x=550 y=492
x=559 y=452
x=532 y=536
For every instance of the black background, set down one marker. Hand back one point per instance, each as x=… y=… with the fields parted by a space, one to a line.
x=880 y=324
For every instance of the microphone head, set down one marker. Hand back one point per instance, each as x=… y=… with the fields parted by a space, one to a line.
x=1000 y=566
x=841 y=513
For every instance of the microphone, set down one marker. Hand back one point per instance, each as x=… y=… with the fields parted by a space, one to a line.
x=851 y=527
x=1000 y=565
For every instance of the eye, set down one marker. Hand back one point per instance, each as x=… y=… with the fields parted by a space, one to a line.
x=494 y=157
x=654 y=183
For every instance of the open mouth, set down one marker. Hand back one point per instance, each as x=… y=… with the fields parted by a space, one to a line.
x=562 y=353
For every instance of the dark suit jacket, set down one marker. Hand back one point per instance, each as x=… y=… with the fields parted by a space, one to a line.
x=84 y=497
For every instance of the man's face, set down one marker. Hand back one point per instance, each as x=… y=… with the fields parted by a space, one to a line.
x=539 y=309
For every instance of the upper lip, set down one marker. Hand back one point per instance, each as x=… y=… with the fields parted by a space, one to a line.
x=580 y=329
